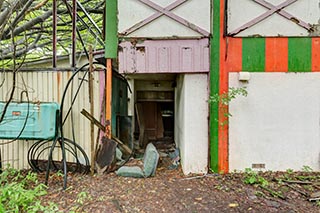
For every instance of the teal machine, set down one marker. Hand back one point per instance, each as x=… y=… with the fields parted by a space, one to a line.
x=29 y=120
x=44 y=122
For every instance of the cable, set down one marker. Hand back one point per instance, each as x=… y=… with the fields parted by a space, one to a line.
x=27 y=116
x=38 y=149
x=61 y=121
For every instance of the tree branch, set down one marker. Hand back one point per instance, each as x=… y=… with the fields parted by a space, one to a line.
x=29 y=24
x=22 y=51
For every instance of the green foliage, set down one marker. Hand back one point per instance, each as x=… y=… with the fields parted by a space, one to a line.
x=289 y=171
x=225 y=98
x=82 y=197
x=20 y=193
x=307 y=169
x=252 y=177
x=32 y=29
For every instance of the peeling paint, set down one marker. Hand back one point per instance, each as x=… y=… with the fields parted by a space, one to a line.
x=166 y=56
x=315 y=29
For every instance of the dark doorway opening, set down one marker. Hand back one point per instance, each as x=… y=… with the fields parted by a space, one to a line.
x=155 y=119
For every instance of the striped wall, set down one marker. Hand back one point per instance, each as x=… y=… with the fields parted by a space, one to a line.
x=48 y=87
x=228 y=54
x=273 y=54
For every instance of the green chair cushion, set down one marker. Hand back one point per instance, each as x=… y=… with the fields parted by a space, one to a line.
x=150 y=160
x=130 y=171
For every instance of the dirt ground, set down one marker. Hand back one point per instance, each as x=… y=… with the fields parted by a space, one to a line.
x=171 y=191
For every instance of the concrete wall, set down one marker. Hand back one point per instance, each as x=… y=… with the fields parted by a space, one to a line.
x=191 y=121
x=278 y=123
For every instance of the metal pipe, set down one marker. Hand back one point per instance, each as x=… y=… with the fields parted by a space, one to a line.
x=54 y=34
x=74 y=37
x=89 y=17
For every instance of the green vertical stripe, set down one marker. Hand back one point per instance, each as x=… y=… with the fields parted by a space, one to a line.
x=299 y=53
x=214 y=85
x=111 y=29
x=253 y=54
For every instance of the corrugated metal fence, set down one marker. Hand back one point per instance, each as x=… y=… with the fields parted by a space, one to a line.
x=48 y=86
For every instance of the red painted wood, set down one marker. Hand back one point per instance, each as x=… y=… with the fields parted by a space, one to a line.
x=315 y=55
x=234 y=54
x=276 y=55
x=223 y=149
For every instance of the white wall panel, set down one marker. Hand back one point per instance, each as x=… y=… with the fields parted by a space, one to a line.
x=191 y=122
x=241 y=12
x=278 y=123
x=133 y=12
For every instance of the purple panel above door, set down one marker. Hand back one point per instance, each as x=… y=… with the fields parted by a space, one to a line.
x=164 y=56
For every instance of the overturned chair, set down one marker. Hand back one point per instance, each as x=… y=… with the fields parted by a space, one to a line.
x=150 y=162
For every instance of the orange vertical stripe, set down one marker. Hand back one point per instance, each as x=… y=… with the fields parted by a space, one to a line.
x=223 y=164
x=59 y=84
x=276 y=55
x=234 y=54
x=315 y=54
x=108 y=98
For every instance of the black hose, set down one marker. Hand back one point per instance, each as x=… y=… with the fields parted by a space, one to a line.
x=61 y=122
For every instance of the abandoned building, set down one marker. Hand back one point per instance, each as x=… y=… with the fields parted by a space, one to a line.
x=162 y=63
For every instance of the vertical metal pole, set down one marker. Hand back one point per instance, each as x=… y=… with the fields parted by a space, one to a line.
x=74 y=30
x=108 y=97
x=54 y=34
x=111 y=51
x=91 y=100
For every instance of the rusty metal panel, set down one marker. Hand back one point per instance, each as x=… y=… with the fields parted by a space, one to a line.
x=273 y=18
x=48 y=86
x=164 y=56
x=164 y=18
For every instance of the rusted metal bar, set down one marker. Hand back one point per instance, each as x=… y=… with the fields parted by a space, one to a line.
x=54 y=34
x=74 y=31
x=89 y=17
x=164 y=11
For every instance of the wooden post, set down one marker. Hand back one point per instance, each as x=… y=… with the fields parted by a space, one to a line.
x=91 y=100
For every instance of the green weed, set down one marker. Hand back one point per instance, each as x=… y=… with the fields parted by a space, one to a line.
x=252 y=177
x=20 y=193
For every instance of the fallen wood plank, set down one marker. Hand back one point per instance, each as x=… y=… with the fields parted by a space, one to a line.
x=315 y=194
x=92 y=119
x=125 y=147
x=297 y=182
x=101 y=127
x=297 y=190
x=272 y=192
